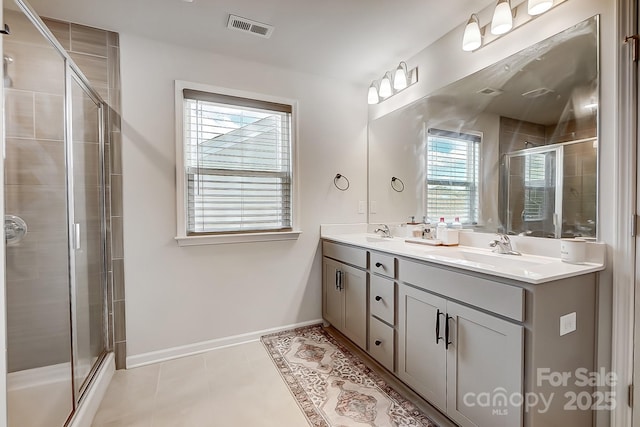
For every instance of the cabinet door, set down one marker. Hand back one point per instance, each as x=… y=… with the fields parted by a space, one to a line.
x=421 y=360
x=354 y=288
x=484 y=359
x=332 y=300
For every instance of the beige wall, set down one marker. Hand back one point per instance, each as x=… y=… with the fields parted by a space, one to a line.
x=179 y=298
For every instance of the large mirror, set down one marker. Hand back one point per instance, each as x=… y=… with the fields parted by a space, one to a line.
x=512 y=148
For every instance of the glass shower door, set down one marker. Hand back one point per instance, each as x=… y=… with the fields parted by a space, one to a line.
x=87 y=232
x=534 y=192
x=40 y=392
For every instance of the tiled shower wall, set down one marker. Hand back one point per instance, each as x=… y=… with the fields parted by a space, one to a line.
x=96 y=52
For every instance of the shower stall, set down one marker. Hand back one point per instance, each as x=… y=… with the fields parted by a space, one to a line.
x=551 y=190
x=55 y=228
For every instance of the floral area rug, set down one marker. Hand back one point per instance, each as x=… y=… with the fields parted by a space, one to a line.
x=335 y=388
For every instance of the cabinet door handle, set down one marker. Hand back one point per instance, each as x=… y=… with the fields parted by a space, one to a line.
x=438 y=337
x=378 y=342
x=337 y=279
x=378 y=298
x=446 y=333
x=379 y=265
x=340 y=280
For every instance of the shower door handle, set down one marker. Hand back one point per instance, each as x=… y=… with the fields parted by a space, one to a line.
x=76 y=236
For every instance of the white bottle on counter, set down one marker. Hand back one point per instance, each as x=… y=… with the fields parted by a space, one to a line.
x=456 y=225
x=441 y=229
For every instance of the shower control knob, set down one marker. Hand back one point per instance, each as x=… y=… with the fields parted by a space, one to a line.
x=378 y=342
x=378 y=298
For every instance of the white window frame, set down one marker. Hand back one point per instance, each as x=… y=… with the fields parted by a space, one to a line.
x=182 y=237
x=479 y=186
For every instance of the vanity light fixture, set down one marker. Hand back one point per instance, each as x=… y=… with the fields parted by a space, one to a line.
x=391 y=83
x=505 y=19
x=373 y=97
x=400 y=76
x=385 y=86
x=537 y=7
x=472 y=38
x=502 y=21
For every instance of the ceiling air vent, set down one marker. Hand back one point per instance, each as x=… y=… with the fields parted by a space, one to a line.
x=490 y=91
x=249 y=26
x=536 y=93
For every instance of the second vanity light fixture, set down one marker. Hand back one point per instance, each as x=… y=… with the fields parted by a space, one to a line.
x=505 y=18
x=391 y=83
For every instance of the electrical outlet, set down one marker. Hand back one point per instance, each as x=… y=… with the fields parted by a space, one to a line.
x=362 y=207
x=568 y=323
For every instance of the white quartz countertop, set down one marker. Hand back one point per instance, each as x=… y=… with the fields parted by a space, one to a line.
x=532 y=269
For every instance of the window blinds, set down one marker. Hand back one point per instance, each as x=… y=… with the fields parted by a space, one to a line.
x=453 y=161
x=237 y=155
x=534 y=187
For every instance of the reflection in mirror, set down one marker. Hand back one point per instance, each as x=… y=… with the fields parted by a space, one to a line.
x=511 y=148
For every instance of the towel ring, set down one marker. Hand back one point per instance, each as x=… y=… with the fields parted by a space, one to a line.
x=397 y=187
x=337 y=178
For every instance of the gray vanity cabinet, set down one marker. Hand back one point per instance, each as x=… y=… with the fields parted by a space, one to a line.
x=485 y=355
x=450 y=353
x=422 y=359
x=344 y=292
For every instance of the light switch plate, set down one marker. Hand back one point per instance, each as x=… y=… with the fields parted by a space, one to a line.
x=362 y=207
x=568 y=323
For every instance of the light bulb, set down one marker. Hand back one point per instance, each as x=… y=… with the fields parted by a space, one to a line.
x=536 y=7
x=502 y=18
x=385 y=87
x=400 y=77
x=472 y=38
x=373 y=97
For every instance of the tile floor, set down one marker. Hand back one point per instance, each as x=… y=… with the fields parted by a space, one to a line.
x=234 y=386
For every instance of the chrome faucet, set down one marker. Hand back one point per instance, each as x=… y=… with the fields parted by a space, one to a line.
x=503 y=245
x=385 y=230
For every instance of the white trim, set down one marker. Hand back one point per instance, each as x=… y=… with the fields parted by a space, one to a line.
x=204 y=346
x=35 y=377
x=220 y=239
x=94 y=393
x=181 y=193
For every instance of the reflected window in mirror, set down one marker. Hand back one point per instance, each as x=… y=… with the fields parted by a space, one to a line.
x=453 y=163
x=535 y=184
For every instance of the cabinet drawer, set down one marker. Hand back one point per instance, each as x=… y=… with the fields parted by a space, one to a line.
x=382 y=298
x=347 y=254
x=383 y=264
x=381 y=342
x=498 y=298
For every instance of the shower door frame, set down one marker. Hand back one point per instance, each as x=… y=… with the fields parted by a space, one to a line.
x=559 y=178
x=72 y=71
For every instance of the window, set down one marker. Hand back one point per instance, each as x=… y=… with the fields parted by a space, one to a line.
x=453 y=162
x=237 y=171
x=534 y=187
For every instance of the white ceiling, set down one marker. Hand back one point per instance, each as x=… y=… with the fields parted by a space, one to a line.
x=355 y=40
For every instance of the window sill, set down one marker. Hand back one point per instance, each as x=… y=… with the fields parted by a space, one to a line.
x=222 y=239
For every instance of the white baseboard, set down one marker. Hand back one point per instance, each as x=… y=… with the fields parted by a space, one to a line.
x=204 y=346
x=88 y=408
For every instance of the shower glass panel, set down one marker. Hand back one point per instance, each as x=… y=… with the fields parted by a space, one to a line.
x=87 y=231
x=54 y=226
x=552 y=190
x=37 y=275
x=532 y=198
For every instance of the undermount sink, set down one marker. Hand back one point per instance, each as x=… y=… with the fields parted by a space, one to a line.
x=496 y=260
x=378 y=239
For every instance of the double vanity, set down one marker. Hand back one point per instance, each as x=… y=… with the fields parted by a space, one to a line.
x=488 y=339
